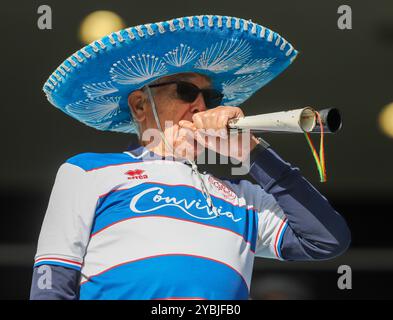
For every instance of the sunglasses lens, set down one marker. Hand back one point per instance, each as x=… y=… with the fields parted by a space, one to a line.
x=212 y=97
x=187 y=91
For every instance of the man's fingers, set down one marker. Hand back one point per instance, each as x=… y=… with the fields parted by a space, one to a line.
x=187 y=125
x=201 y=119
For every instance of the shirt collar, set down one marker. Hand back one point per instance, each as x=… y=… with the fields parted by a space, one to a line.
x=142 y=153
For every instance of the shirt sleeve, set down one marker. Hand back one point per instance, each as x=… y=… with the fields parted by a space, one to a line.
x=54 y=283
x=272 y=221
x=296 y=222
x=66 y=228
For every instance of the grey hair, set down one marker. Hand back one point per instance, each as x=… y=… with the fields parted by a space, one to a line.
x=137 y=128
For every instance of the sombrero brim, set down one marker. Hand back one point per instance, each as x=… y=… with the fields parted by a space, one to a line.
x=239 y=56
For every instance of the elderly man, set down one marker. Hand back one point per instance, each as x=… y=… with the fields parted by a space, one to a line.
x=145 y=223
x=187 y=120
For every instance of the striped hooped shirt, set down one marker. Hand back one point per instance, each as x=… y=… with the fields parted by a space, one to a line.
x=132 y=225
x=140 y=228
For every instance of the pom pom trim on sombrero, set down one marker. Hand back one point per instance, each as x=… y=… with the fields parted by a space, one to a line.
x=238 y=55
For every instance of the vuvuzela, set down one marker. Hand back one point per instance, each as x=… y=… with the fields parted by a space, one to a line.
x=298 y=120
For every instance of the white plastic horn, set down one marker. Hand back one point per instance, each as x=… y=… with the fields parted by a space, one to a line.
x=298 y=120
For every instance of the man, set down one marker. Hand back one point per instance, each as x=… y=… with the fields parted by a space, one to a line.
x=146 y=224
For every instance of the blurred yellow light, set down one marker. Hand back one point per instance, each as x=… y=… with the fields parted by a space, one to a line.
x=386 y=120
x=98 y=24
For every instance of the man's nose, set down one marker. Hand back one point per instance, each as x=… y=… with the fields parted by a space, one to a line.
x=198 y=105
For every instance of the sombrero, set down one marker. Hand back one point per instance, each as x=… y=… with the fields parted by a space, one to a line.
x=239 y=56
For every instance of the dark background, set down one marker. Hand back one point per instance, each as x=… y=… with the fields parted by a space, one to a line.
x=347 y=69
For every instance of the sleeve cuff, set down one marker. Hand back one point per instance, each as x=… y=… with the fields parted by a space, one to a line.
x=57 y=261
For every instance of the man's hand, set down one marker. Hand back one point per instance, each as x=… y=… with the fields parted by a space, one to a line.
x=210 y=129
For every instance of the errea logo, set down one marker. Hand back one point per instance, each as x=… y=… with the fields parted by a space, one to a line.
x=136 y=174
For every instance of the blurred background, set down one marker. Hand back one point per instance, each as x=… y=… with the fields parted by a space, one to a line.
x=347 y=69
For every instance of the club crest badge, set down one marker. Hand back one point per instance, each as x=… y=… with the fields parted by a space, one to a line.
x=221 y=187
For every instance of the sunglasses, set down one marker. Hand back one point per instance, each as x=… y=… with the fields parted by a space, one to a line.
x=189 y=92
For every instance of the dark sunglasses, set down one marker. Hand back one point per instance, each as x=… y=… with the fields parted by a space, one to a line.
x=188 y=92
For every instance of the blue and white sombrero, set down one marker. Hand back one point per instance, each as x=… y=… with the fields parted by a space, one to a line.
x=238 y=55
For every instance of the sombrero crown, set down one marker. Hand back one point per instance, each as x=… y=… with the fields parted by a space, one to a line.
x=239 y=57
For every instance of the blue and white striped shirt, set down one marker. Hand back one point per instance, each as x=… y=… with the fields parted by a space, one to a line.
x=138 y=227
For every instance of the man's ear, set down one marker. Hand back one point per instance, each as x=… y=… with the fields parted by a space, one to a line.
x=137 y=105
